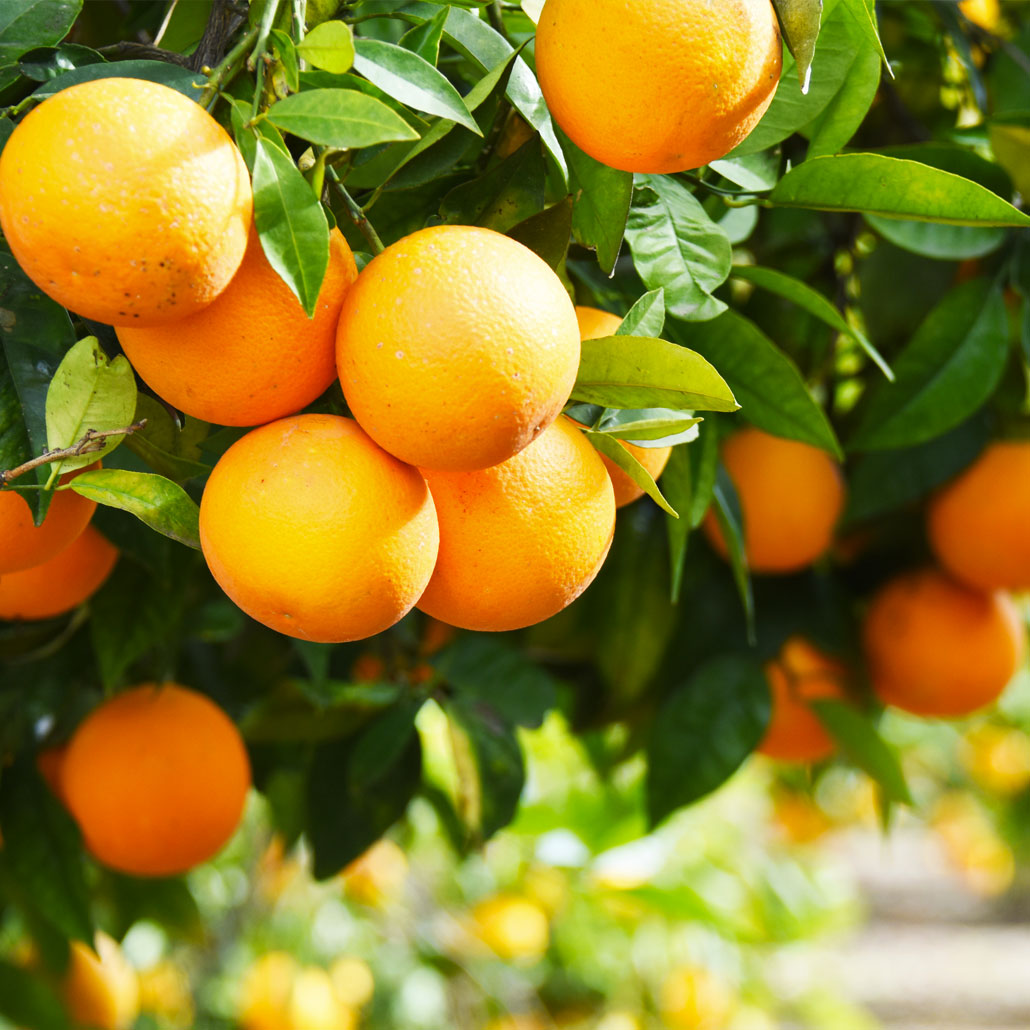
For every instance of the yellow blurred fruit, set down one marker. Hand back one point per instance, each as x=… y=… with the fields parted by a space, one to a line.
x=352 y=981
x=997 y=758
x=984 y=861
x=265 y=989
x=985 y=13
x=164 y=992
x=275 y=871
x=548 y=887
x=376 y=876
x=798 y=818
x=513 y=927
x=620 y=1021
x=693 y=998
x=100 y=987
x=314 y=1004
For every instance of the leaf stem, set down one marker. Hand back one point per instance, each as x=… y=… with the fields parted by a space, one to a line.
x=227 y=68
x=495 y=13
x=318 y=172
x=93 y=440
x=357 y=216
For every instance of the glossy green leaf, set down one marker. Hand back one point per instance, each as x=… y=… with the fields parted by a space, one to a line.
x=649 y=427
x=646 y=317
x=895 y=188
x=290 y=223
x=491 y=772
x=287 y=72
x=863 y=745
x=864 y=12
x=48 y=62
x=799 y=20
x=163 y=505
x=27 y=24
x=412 y=80
x=88 y=392
x=341 y=118
x=764 y=380
x=246 y=135
x=704 y=731
x=810 y=300
x=174 y=76
x=725 y=508
x=949 y=368
x=641 y=372
x=14 y=440
x=944 y=242
x=617 y=453
x=424 y=39
x=601 y=199
x=28 y=1000
x=547 y=233
x=677 y=247
x=329 y=46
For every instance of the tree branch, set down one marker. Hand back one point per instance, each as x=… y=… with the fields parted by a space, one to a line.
x=93 y=440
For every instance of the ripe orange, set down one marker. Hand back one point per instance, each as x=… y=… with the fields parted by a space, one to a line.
x=125 y=201
x=316 y=532
x=23 y=544
x=100 y=988
x=60 y=584
x=156 y=778
x=521 y=540
x=978 y=523
x=593 y=325
x=935 y=647
x=660 y=86
x=799 y=674
x=457 y=346
x=791 y=495
x=252 y=355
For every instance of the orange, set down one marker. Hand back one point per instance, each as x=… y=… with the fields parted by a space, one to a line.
x=457 y=346
x=593 y=325
x=60 y=584
x=252 y=355
x=100 y=988
x=316 y=532
x=799 y=674
x=935 y=647
x=978 y=523
x=791 y=495
x=23 y=544
x=156 y=778
x=660 y=86
x=521 y=540
x=125 y=201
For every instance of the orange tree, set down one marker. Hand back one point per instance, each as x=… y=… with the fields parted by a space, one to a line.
x=822 y=334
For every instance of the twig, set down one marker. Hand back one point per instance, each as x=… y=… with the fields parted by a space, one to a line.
x=93 y=440
x=227 y=68
x=496 y=15
x=219 y=29
x=144 y=50
x=357 y=216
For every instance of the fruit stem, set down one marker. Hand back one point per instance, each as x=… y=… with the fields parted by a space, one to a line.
x=357 y=216
x=227 y=68
x=93 y=440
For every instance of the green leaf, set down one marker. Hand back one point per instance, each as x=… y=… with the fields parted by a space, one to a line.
x=601 y=199
x=341 y=118
x=165 y=901
x=358 y=788
x=944 y=242
x=482 y=667
x=949 y=368
x=491 y=773
x=799 y=20
x=288 y=70
x=860 y=742
x=810 y=300
x=246 y=135
x=617 y=453
x=648 y=427
x=689 y=483
x=182 y=80
x=290 y=223
x=329 y=46
x=764 y=380
x=1011 y=145
x=424 y=39
x=14 y=440
x=35 y=332
x=895 y=188
x=48 y=62
x=88 y=392
x=883 y=481
x=646 y=317
x=505 y=195
x=547 y=233
x=677 y=247
x=34 y=23
x=412 y=80
x=704 y=731
x=642 y=372
x=630 y=613
x=864 y=13
x=728 y=516
x=29 y=1001
x=154 y=500
x=43 y=852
